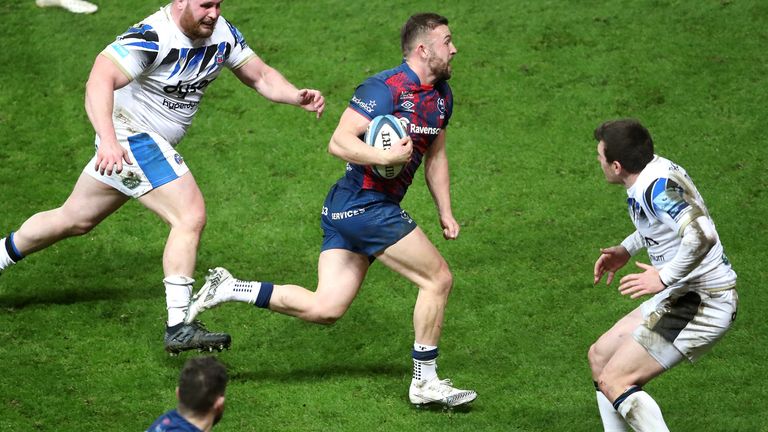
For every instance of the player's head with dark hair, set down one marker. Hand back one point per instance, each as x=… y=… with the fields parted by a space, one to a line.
x=201 y=388
x=627 y=142
x=417 y=27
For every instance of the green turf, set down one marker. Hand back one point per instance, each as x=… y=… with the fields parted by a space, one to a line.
x=81 y=323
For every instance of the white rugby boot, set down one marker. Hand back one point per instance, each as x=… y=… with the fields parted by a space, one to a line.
x=216 y=290
x=439 y=392
x=74 y=6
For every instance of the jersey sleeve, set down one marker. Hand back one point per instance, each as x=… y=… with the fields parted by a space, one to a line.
x=241 y=52
x=672 y=204
x=372 y=98
x=134 y=50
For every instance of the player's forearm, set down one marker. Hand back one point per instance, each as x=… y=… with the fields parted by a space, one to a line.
x=273 y=86
x=350 y=148
x=698 y=238
x=633 y=243
x=438 y=180
x=99 y=100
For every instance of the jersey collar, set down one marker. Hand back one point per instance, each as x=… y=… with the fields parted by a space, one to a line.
x=415 y=78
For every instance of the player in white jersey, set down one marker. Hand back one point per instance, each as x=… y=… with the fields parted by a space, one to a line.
x=693 y=286
x=142 y=94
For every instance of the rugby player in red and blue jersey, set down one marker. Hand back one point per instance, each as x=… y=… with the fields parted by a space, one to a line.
x=361 y=217
x=202 y=384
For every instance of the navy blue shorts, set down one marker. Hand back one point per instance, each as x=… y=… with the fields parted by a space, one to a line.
x=365 y=222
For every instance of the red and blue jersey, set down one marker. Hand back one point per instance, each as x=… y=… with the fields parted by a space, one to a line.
x=172 y=421
x=425 y=110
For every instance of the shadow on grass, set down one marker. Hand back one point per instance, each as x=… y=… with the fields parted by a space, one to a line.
x=327 y=371
x=63 y=298
x=55 y=293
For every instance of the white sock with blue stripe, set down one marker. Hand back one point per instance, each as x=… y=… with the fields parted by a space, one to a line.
x=612 y=420
x=9 y=255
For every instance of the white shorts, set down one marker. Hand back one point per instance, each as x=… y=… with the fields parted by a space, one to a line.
x=685 y=326
x=155 y=163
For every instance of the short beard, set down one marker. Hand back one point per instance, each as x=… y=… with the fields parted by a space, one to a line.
x=441 y=70
x=193 y=28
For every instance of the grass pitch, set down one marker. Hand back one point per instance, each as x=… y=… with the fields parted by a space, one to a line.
x=81 y=323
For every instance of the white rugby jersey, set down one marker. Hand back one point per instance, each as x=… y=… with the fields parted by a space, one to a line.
x=170 y=72
x=662 y=202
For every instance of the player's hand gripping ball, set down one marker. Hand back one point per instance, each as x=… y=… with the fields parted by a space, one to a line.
x=383 y=132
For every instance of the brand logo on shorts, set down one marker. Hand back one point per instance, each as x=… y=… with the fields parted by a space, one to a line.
x=177 y=157
x=404 y=215
x=131 y=180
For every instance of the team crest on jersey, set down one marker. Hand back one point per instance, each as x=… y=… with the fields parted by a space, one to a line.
x=177 y=157
x=221 y=49
x=441 y=105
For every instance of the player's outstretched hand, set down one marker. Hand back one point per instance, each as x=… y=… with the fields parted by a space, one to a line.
x=450 y=227
x=610 y=261
x=639 y=284
x=110 y=157
x=312 y=101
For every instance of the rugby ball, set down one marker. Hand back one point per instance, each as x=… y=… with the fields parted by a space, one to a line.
x=383 y=132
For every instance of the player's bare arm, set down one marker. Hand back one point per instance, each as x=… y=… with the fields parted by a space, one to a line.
x=438 y=179
x=610 y=261
x=272 y=85
x=345 y=143
x=104 y=79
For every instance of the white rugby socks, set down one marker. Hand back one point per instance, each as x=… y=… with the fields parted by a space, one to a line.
x=640 y=411
x=241 y=291
x=612 y=420
x=424 y=362
x=9 y=254
x=178 y=290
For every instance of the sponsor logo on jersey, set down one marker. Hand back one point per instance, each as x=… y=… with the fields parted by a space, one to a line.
x=656 y=258
x=406 y=95
x=344 y=214
x=367 y=106
x=650 y=242
x=407 y=106
x=173 y=106
x=177 y=157
x=120 y=50
x=182 y=90
x=424 y=130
